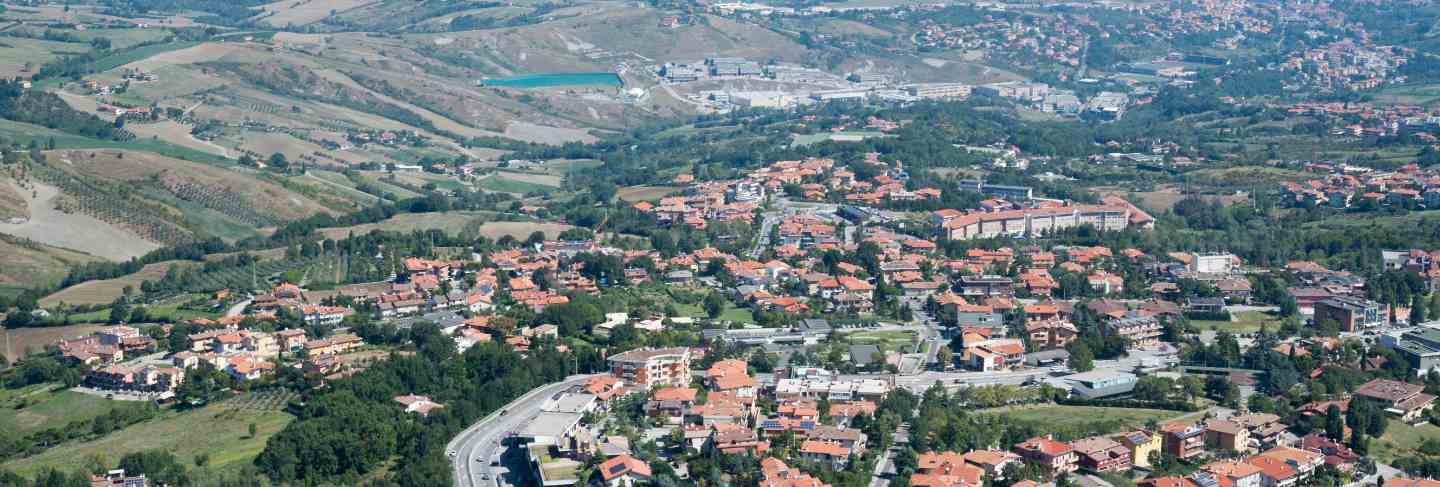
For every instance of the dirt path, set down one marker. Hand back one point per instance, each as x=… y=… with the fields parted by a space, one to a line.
x=83 y=233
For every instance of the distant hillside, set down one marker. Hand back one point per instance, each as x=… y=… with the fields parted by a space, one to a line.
x=29 y=264
x=118 y=204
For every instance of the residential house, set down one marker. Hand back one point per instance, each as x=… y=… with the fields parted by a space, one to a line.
x=1227 y=435
x=1057 y=457
x=945 y=469
x=826 y=453
x=624 y=471
x=1100 y=454
x=1408 y=401
x=1234 y=473
x=1183 y=440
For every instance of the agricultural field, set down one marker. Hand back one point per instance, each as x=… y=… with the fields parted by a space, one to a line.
x=1409 y=94
x=1085 y=417
x=45 y=406
x=453 y=222
x=20 y=340
x=29 y=264
x=74 y=231
x=541 y=179
x=421 y=179
x=506 y=182
x=256 y=201
x=295 y=13
x=804 y=140
x=336 y=185
x=522 y=230
x=105 y=291
x=1164 y=198
x=377 y=179
x=18 y=53
x=119 y=204
x=645 y=193
x=1245 y=175
x=13 y=204
x=544 y=134
x=563 y=167
x=220 y=431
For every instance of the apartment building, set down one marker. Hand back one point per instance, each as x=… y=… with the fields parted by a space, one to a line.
x=652 y=367
x=1352 y=313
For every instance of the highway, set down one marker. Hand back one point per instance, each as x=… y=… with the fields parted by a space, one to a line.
x=471 y=451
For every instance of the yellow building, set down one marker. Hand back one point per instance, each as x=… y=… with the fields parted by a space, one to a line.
x=1141 y=444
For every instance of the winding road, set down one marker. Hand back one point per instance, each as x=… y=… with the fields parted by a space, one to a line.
x=471 y=452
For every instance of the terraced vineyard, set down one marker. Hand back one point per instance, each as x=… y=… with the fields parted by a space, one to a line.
x=268 y=400
x=220 y=199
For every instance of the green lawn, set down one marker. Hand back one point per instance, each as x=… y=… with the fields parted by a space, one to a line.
x=1085 y=417
x=171 y=311
x=51 y=406
x=1402 y=440
x=888 y=340
x=737 y=315
x=809 y=139
x=1243 y=322
x=691 y=310
x=1409 y=94
x=216 y=430
x=499 y=182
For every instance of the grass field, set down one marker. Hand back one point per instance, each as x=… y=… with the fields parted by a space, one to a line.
x=1242 y=322
x=803 y=140
x=30 y=264
x=216 y=430
x=645 y=193
x=1246 y=175
x=16 y=52
x=105 y=291
x=399 y=192
x=1082 y=416
x=24 y=134
x=543 y=179
x=123 y=57
x=561 y=167
x=22 y=339
x=51 y=406
x=522 y=230
x=506 y=183
x=1409 y=94
x=731 y=313
x=887 y=340
x=450 y=222
x=1402 y=440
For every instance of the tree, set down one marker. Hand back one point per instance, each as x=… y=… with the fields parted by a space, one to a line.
x=252 y=429
x=945 y=357
x=278 y=161
x=1417 y=310
x=1081 y=358
x=1334 y=423
x=714 y=305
